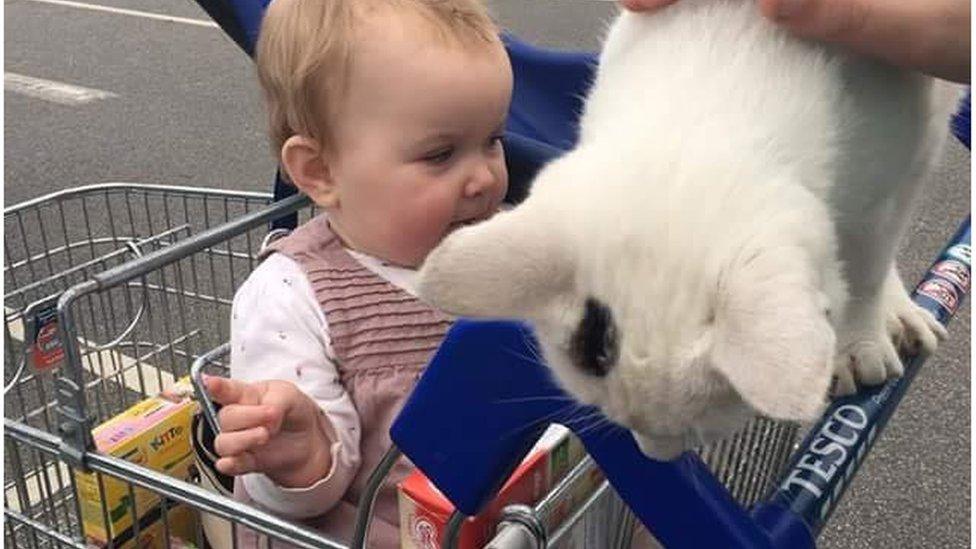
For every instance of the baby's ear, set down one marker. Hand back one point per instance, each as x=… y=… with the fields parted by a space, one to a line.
x=507 y=266
x=307 y=167
x=773 y=342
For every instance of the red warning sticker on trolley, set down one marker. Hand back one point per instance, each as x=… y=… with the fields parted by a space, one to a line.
x=955 y=272
x=47 y=352
x=942 y=291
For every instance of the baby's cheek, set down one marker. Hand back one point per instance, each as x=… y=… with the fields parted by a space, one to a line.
x=408 y=239
x=429 y=228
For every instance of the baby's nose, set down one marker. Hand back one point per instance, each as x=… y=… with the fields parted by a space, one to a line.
x=481 y=179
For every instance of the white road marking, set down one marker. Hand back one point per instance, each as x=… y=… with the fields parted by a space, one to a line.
x=49 y=90
x=135 y=13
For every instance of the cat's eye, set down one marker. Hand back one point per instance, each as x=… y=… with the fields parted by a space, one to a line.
x=595 y=346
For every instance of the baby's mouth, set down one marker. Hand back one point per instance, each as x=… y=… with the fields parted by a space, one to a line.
x=466 y=222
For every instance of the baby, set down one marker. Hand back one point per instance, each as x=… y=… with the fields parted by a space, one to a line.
x=389 y=115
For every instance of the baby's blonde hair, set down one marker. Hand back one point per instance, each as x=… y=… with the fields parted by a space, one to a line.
x=304 y=50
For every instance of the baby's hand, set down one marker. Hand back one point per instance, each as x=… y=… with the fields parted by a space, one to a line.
x=270 y=427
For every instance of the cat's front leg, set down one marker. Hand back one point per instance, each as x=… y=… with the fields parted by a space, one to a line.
x=875 y=327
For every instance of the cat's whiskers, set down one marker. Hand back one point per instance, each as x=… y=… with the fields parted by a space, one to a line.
x=523 y=356
x=565 y=398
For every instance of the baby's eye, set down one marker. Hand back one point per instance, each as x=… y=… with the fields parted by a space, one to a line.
x=439 y=156
x=496 y=140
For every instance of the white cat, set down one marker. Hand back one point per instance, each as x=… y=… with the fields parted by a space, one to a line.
x=723 y=236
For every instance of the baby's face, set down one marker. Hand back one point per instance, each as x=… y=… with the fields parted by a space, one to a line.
x=418 y=141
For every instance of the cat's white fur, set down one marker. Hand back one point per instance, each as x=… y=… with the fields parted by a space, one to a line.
x=735 y=199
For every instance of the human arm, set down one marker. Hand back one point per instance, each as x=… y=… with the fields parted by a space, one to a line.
x=278 y=333
x=932 y=37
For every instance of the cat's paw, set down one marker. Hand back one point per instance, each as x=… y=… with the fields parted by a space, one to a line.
x=869 y=360
x=912 y=328
x=868 y=353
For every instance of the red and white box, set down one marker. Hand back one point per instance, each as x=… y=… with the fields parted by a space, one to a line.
x=424 y=510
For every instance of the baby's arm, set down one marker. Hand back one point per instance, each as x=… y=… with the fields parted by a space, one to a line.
x=278 y=332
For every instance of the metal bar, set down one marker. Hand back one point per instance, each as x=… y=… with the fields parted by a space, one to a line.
x=121 y=186
x=72 y=408
x=44 y=244
x=43 y=479
x=578 y=472
x=9 y=270
x=513 y=535
x=178 y=490
x=133 y=512
x=205 y=239
x=167 y=308
x=64 y=231
x=20 y=481
x=164 y=509
x=452 y=532
x=35 y=526
x=98 y=362
x=230 y=247
x=578 y=514
x=208 y=409
x=23 y=233
x=364 y=513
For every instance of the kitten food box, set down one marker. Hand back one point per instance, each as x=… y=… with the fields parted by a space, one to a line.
x=425 y=511
x=154 y=433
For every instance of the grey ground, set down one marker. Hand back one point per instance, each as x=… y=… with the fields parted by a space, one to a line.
x=188 y=113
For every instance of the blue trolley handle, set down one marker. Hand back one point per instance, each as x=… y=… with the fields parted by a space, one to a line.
x=835 y=447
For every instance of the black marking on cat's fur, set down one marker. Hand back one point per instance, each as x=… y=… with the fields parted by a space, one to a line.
x=594 y=347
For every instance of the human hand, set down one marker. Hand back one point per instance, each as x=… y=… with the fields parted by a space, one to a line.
x=932 y=37
x=270 y=427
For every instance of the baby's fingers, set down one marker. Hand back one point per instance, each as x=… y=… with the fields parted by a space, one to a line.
x=239 y=443
x=237 y=465
x=238 y=417
x=231 y=391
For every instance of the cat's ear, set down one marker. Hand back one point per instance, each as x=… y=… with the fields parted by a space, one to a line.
x=772 y=339
x=509 y=266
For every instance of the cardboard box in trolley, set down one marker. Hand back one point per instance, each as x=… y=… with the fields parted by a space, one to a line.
x=425 y=511
x=181 y=523
x=154 y=433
